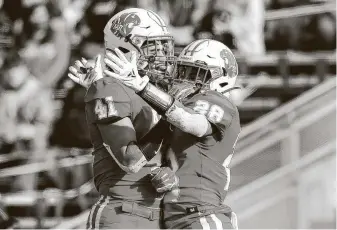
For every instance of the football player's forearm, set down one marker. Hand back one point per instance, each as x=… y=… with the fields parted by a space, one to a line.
x=120 y=141
x=134 y=158
x=133 y=163
x=188 y=122
x=176 y=113
x=129 y=158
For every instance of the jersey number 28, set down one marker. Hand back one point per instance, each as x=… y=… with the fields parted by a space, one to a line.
x=214 y=113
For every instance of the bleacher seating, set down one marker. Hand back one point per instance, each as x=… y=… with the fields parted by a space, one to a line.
x=289 y=75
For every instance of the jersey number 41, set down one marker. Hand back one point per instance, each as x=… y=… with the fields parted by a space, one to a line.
x=105 y=108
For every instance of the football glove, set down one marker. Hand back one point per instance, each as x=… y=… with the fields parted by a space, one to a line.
x=85 y=72
x=182 y=91
x=163 y=179
x=124 y=70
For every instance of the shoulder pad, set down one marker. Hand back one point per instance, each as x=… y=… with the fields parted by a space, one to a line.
x=108 y=87
x=218 y=109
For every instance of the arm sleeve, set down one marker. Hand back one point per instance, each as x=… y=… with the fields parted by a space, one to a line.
x=203 y=114
x=188 y=120
x=175 y=112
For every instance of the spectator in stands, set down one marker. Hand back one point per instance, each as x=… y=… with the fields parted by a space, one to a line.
x=46 y=44
x=6 y=33
x=26 y=113
x=71 y=129
x=237 y=23
x=6 y=30
x=72 y=12
x=97 y=13
x=179 y=16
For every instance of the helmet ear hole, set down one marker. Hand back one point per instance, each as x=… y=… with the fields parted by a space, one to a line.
x=123 y=50
x=223 y=84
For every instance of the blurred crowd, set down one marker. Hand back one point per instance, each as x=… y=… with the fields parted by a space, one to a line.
x=40 y=38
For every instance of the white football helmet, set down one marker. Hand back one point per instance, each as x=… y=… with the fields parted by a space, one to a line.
x=146 y=33
x=207 y=64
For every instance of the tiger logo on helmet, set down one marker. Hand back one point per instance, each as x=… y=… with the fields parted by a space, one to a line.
x=230 y=62
x=123 y=25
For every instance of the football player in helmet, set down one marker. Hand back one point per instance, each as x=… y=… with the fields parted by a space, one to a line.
x=207 y=128
x=124 y=129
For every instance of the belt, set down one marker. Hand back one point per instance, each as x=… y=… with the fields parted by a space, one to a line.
x=198 y=211
x=139 y=210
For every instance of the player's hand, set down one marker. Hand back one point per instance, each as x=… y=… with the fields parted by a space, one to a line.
x=85 y=72
x=163 y=179
x=181 y=91
x=124 y=70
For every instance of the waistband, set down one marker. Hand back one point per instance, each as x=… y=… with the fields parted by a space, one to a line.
x=138 y=208
x=175 y=222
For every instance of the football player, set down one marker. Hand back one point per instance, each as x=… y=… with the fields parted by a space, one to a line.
x=124 y=129
x=207 y=128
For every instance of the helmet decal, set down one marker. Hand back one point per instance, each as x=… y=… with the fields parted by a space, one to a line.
x=230 y=62
x=191 y=51
x=156 y=19
x=124 y=24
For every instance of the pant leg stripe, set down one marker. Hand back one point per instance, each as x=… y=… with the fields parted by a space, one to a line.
x=218 y=222
x=204 y=223
x=93 y=209
x=99 y=212
x=234 y=220
x=93 y=219
x=88 y=220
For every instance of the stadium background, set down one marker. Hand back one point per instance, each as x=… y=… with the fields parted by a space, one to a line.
x=284 y=169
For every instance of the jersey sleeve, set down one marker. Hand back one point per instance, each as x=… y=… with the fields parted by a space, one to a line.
x=218 y=109
x=107 y=102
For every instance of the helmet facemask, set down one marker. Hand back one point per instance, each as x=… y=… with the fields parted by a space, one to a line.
x=145 y=32
x=198 y=75
x=156 y=59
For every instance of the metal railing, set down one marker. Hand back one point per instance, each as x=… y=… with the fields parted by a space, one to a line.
x=268 y=192
x=285 y=135
x=275 y=151
x=300 y=11
x=273 y=120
